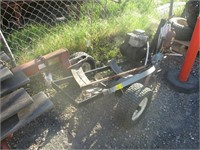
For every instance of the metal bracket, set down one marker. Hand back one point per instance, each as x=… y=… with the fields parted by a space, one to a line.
x=130 y=80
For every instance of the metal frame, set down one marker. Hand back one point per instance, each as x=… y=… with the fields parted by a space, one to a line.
x=7 y=49
x=125 y=79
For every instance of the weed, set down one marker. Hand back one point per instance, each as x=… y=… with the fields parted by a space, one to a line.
x=99 y=32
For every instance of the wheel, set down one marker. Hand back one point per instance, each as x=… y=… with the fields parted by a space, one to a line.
x=183 y=31
x=89 y=62
x=133 y=104
x=191 y=20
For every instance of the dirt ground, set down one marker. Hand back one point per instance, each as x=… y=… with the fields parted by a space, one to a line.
x=171 y=122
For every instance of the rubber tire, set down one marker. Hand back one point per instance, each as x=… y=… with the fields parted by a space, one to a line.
x=89 y=59
x=192 y=8
x=183 y=31
x=191 y=86
x=191 y=20
x=129 y=102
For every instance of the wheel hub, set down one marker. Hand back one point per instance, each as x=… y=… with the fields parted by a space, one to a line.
x=141 y=107
x=86 y=66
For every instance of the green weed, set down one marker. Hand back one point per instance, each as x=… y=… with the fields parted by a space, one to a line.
x=99 y=32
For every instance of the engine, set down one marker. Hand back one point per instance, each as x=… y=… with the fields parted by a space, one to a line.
x=134 y=46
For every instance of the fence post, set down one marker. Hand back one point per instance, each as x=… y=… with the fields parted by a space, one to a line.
x=171 y=8
x=7 y=49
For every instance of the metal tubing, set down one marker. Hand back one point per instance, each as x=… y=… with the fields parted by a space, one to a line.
x=73 y=102
x=7 y=49
x=89 y=100
x=31 y=68
x=63 y=80
x=58 y=89
x=191 y=53
x=131 y=80
x=114 y=76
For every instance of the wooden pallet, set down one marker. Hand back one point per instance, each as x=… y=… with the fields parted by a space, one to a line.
x=185 y=43
x=180 y=46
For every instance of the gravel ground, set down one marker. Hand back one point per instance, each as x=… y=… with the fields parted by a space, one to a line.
x=171 y=122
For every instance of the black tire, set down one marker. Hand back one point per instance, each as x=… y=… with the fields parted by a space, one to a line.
x=89 y=61
x=130 y=102
x=183 y=31
x=191 y=21
x=192 y=8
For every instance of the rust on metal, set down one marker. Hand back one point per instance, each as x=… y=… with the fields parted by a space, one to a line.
x=114 y=76
x=169 y=39
x=30 y=68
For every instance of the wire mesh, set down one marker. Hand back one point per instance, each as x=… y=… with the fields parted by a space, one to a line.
x=36 y=27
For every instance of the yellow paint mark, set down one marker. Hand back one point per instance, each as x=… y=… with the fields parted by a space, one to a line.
x=119 y=86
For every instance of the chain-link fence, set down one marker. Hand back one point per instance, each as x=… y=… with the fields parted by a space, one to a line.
x=37 y=27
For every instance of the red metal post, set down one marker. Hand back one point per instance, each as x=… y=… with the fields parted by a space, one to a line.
x=60 y=56
x=4 y=145
x=191 y=53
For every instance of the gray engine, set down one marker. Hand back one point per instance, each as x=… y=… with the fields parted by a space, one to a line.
x=134 y=46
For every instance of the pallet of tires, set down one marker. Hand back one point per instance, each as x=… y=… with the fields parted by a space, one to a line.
x=184 y=26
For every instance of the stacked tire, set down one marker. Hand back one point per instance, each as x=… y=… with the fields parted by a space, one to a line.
x=184 y=27
x=192 y=8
